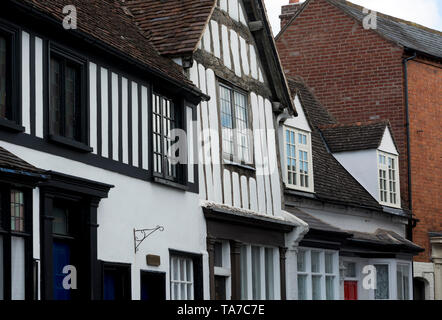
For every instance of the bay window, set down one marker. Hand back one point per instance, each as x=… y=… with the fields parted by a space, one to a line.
x=67 y=105
x=235 y=125
x=259 y=275
x=318 y=274
x=388 y=179
x=298 y=160
x=382 y=291
x=403 y=282
x=15 y=244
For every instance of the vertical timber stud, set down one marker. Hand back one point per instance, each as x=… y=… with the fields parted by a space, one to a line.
x=282 y=260
x=211 y=252
x=94 y=283
x=47 y=280
x=235 y=260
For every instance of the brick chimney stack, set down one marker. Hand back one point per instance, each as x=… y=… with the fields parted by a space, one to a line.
x=289 y=11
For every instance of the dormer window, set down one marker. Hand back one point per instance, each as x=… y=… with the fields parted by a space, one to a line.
x=388 y=179
x=298 y=159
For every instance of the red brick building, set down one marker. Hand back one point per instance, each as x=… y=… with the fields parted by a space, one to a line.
x=367 y=66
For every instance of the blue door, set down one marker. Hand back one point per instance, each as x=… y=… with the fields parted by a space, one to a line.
x=62 y=258
x=109 y=292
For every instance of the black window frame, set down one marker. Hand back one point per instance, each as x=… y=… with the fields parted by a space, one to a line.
x=180 y=181
x=67 y=57
x=12 y=121
x=124 y=270
x=234 y=157
x=7 y=233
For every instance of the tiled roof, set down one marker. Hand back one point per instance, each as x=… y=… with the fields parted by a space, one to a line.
x=385 y=237
x=314 y=223
x=332 y=181
x=173 y=26
x=405 y=33
x=12 y=162
x=108 y=22
x=358 y=136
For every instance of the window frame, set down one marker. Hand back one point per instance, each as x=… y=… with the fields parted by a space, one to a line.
x=13 y=79
x=180 y=181
x=298 y=147
x=322 y=273
x=7 y=234
x=234 y=157
x=247 y=293
x=197 y=275
x=385 y=167
x=68 y=56
x=125 y=271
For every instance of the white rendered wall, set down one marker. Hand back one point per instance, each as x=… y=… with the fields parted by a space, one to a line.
x=132 y=204
x=362 y=165
x=356 y=220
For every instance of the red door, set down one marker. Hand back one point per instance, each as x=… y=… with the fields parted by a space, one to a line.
x=351 y=290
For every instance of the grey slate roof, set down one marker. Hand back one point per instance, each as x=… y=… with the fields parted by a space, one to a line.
x=313 y=223
x=333 y=183
x=12 y=162
x=358 y=136
x=385 y=237
x=405 y=33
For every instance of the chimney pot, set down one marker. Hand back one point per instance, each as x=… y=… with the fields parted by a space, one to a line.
x=294 y=1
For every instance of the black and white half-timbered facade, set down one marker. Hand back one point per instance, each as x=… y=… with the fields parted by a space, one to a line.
x=85 y=129
x=230 y=56
x=154 y=150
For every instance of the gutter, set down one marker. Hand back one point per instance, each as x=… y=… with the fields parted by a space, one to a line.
x=411 y=221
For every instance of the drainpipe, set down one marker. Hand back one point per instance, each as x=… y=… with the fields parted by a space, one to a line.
x=410 y=201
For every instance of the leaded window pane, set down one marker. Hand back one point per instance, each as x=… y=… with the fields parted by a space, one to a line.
x=164 y=121
x=17 y=211
x=70 y=102
x=55 y=98
x=235 y=124
x=382 y=282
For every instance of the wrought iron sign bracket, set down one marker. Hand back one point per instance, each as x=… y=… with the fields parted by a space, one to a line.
x=142 y=234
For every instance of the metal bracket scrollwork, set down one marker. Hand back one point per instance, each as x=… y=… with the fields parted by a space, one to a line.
x=142 y=234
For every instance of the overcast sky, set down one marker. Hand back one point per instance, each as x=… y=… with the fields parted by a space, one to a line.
x=424 y=12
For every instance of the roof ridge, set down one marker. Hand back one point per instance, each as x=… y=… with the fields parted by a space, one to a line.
x=354 y=124
x=396 y=19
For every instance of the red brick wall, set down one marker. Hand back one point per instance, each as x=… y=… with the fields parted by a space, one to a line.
x=354 y=72
x=425 y=105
